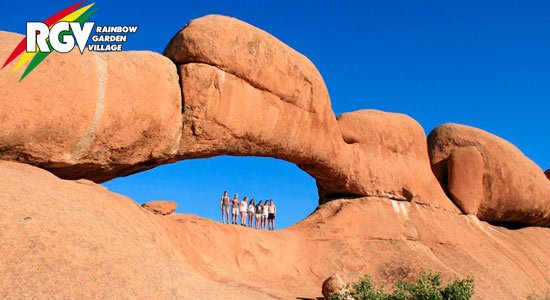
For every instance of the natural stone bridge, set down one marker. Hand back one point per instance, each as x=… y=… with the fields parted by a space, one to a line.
x=228 y=88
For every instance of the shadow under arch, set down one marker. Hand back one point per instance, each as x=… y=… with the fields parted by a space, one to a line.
x=197 y=185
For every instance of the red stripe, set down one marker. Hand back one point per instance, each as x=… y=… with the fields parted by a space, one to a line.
x=58 y=16
x=49 y=22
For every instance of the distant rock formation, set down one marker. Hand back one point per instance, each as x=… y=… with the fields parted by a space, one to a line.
x=488 y=176
x=160 y=207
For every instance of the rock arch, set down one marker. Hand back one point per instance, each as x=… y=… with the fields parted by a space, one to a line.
x=230 y=89
x=244 y=93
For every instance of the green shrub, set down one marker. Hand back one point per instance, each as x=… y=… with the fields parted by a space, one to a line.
x=427 y=287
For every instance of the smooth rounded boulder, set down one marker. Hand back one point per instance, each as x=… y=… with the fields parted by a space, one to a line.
x=388 y=150
x=95 y=116
x=333 y=284
x=253 y=55
x=514 y=188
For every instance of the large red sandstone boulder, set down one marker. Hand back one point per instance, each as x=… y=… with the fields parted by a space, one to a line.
x=388 y=150
x=253 y=55
x=94 y=116
x=513 y=187
x=247 y=93
x=160 y=207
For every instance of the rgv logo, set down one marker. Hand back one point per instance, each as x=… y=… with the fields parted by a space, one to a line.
x=64 y=31
x=62 y=36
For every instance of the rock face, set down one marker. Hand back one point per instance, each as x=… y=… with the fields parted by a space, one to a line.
x=513 y=187
x=465 y=178
x=72 y=240
x=389 y=150
x=93 y=116
x=253 y=55
x=160 y=207
x=547 y=173
x=68 y=239
x=247 y=93
x=332 y=284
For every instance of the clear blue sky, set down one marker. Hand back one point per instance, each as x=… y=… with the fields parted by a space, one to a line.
x=480 y=63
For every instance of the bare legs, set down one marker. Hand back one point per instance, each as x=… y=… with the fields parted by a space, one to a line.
x=250 y=219
x=243 y=218
x=225 y=215
x=234 y=217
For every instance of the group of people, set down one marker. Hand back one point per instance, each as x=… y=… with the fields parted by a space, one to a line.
x=259 y=215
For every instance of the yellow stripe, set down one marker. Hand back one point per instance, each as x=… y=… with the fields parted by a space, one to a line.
x=75 y=14
x=23 y=59
x=68 y=18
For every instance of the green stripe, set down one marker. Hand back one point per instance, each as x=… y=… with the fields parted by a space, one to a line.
x=40 y=56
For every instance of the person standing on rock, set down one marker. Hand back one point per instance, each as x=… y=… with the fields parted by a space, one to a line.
x=251 y=211
x=243 y=207
x=271 y=215
x=258 y=214
x=224 y=205
x=234 y=208
x=265 y=208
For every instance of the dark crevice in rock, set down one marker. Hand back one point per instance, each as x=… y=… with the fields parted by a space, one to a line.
x=339 y=196
x=510 y=225
x=96 y=172
x=183 y=108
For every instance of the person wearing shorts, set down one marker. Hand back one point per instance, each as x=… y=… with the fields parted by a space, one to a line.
x=272 y=210
x=242 y=208
x=258 y=215
x=224 y=205
x=265 y=208
x=234 y=208
x=251 y=211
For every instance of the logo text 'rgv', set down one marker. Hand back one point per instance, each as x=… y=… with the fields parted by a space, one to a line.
x=60 y=37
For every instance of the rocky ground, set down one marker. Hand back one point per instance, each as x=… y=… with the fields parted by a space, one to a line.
x=76 y=239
